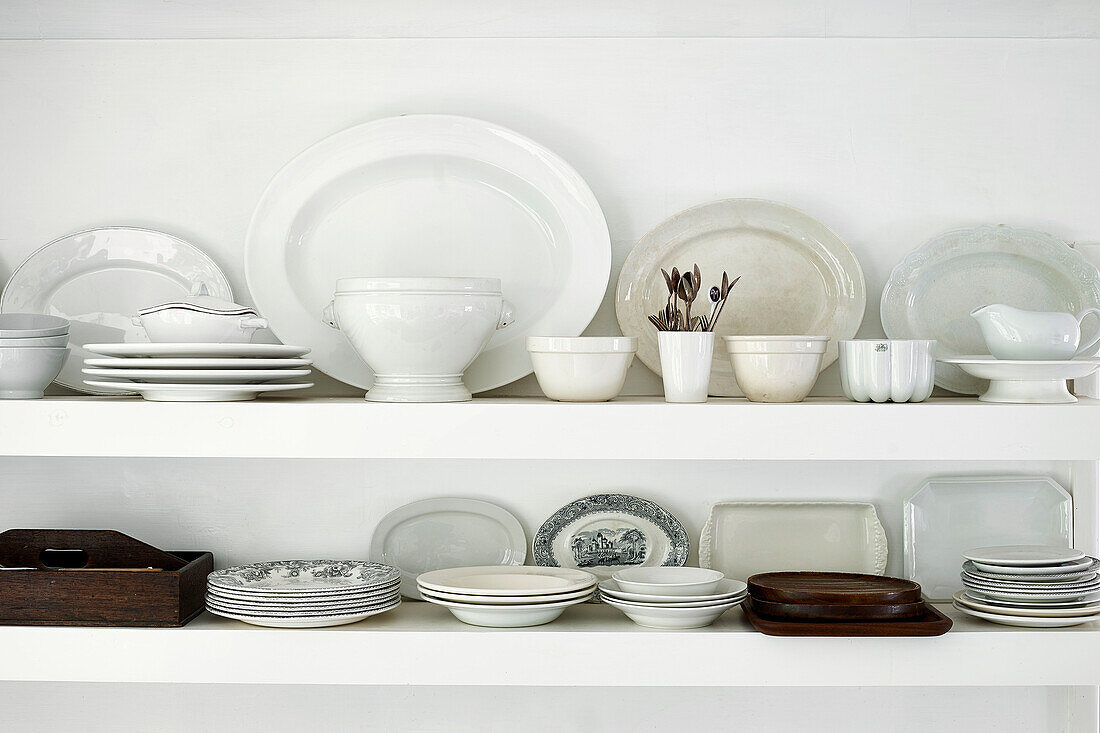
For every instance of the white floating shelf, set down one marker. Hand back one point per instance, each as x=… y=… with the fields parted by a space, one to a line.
x=535 y=428
x=420 y=644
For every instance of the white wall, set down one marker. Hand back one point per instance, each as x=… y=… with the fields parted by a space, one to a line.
x=890 y=121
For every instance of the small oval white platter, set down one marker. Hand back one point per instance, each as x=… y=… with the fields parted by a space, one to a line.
x=421 y=195
x=931 y=293
x=798 y=277
x=100 y=278
x=605 y=532
x=435 y=534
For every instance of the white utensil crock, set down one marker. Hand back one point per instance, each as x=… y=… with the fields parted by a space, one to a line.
x=880 y=370
x=685 y=364
x=419 y=335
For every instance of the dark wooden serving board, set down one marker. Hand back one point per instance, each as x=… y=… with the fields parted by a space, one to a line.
x=930 y=623
x=838 y=612
x=97 y=578
x=833 y=589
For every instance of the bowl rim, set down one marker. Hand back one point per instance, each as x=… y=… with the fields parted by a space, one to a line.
x=582 y=344
x=712 y=576
x=470 y=285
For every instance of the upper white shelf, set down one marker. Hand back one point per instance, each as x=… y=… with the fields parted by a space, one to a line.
x=535 y=428
x=421 y=644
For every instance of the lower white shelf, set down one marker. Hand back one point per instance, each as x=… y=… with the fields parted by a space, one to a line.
x=421 y=644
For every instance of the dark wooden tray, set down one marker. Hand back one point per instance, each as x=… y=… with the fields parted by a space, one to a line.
x=837 y=612
x=930 y=623
x=97 y=578
x=833 y=589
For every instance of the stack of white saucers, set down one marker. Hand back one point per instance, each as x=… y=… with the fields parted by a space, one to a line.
x=506 y=596
x=1030 y=585
x=200 y=372
x=298 y=594
x=672 y=597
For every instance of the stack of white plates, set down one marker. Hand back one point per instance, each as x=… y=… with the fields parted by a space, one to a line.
x=298 y=594
x=672 y=597
x=219 y=372
x=1030 y=585
x=506 y=596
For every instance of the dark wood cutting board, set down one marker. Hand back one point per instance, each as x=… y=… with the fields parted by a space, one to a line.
x=833 y=589
x=931 y=623
x=838 y=612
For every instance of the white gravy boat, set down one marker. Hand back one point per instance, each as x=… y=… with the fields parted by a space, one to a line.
x=1012 y=333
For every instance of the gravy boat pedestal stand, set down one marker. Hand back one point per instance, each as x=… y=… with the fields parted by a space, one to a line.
x=418 y=334
x=1024 y=381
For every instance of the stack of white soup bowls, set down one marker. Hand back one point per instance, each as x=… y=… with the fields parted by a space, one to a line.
x=33 y=348
x=1030 y=585
x=506 y=596
x=299 y=594
x=672 y=597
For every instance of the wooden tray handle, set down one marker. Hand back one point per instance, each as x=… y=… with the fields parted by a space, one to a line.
x=48 y=549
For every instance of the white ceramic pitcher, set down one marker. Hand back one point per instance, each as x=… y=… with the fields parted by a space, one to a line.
x=1013 y=333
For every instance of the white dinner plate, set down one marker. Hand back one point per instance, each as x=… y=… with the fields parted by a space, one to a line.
x=434 y=534
x=506 y=580
x=100 y=278
x=201 y=392
x=948 y=516
x=196 y=376
x=797 y=277
x=1004 y=595
x=1026 y=621
x=1044 y=575
x=173 y=350
x=742 y=538
x=1024 y=604
x=1085 y=563
x=607 y=532
x=727 y=589
x=429 y=195
x=931 y=292
x=1046 y=611
x=154 y=362
x=1033 y=581
x=1024 y=555
x=314 y=609
x=971 y=581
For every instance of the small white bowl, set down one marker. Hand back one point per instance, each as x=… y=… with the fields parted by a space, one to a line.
x=655 y=617
x=581 y=369
x=727 y=590
x=668 y=581
x=25 y=372
x=776 y=368
x=31 y=325
x=36 y=342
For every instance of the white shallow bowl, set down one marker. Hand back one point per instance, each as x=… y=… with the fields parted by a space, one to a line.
x=54 y=342
x=776 y=368
x=506 y=580
x=727 y=589
x=656 y=617
x=504 y=617
x=668 y=581
x=584 y=594
x=581 y=369
x=881 y=370
x=671 y=603
x=32 y=325
x=26 y=371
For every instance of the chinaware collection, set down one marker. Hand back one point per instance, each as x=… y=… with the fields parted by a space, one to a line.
x=1038 y=586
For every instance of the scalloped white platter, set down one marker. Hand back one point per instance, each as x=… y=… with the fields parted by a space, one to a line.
x=742 y=538
x=931 y=292
x=948 y=516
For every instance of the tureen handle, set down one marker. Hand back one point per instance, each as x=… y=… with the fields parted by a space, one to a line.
x=328 y=316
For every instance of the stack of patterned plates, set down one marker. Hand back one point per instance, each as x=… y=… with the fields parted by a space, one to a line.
x=296 y=594
x=1030 y=585
x=506 y=596
x=215 y=372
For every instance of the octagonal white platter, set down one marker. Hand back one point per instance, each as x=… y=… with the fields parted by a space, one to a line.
x=950 y=515
x=100 y=278
x=429 y=195
x=931 y=292
x=435 y=534
x=797 y=277
x=742 y=538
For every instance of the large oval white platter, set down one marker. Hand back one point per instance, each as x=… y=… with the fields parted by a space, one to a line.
x=931 y=292
x=99 y=279
x=797 y=277
x=435 y=534
x=429 y=195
